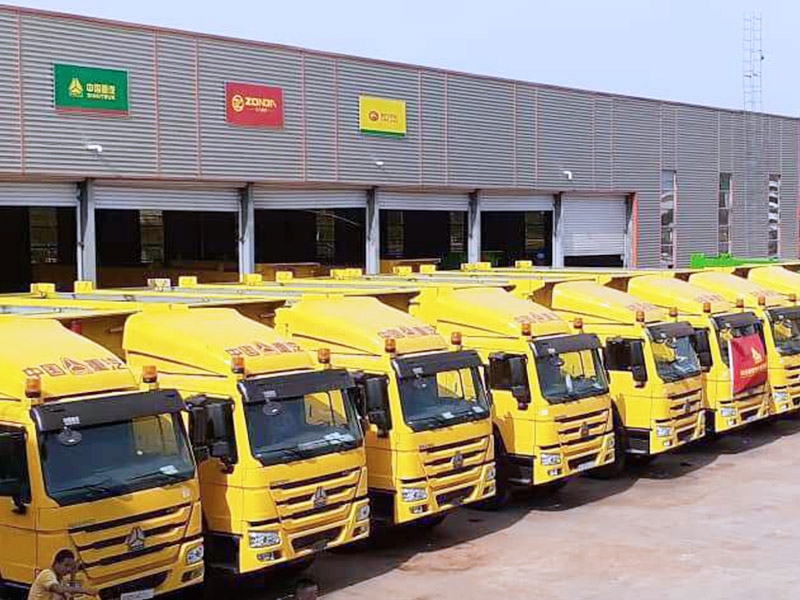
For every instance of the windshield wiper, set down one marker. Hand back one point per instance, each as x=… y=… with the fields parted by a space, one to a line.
x=170 y=477
x=437 y=419
x=100 y=489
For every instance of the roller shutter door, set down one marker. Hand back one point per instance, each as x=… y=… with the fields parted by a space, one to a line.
x=429 y=201
x=38 y=194
x=515 y=203
x=594 y=226
x=308 y=199
x=145 y=198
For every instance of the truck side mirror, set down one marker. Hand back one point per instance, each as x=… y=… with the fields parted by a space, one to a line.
x=377 y=401
x=638 y=368
x=14 y=479
x=520 y=388
x=219 y=417
x=702 y=346
x=198 y=429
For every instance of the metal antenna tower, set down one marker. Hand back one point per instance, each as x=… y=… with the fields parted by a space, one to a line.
x=752 y=59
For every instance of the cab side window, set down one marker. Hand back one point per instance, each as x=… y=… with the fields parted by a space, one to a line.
x=499 y=373
x=14 y=479
x=618 y=355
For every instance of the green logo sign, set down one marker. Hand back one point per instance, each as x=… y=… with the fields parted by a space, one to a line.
x=90 y=89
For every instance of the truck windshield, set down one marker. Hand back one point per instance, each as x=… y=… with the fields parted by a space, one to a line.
x=299 y=426
x=675 y=358
x=571 y=375
x=785 y=323
x=728 y=328
x=112 y=459
x=443 y=398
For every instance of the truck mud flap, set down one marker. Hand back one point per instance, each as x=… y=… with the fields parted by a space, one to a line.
x=638 y=441
x=222 y=552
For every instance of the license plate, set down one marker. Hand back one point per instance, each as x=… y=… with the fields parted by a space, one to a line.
x=140 y=595
x=585 y=466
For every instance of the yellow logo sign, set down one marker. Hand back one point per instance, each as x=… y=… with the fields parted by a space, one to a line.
x=75 y=88
x=382 y=115
x=237 y=102
x=757 y=358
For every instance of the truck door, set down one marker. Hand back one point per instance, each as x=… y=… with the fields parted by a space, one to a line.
x=17 y=525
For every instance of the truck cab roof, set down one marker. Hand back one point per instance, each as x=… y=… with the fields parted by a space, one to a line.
x=489 y=310
x=777 y=278
x=603 y=303
x=68 y=364
x=357 y=325
x=669 y=292
x=203 y=341
x=732 y=288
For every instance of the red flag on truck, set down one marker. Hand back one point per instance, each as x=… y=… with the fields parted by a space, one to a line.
x=748 y=360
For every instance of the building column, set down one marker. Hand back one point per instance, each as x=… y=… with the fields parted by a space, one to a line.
x=558 y=232
x=247 y=238
x=87 y=239
x=474 y=228
x=373 y=237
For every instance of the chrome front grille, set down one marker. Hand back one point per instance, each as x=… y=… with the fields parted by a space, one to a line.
x=315 y=501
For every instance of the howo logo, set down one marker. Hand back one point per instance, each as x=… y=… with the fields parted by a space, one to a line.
x=320 y=498
x=584 y=430
x=136 y=539
x=757 y=358
x=458 y=460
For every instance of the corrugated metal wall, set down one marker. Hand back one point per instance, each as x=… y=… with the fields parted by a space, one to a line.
x=464 y=131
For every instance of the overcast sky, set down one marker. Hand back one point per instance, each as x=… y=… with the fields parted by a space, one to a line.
x=687 y=50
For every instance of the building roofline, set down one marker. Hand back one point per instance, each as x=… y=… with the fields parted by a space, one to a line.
x=21 y=10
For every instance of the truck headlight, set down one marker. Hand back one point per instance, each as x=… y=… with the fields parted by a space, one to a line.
x=663 y=431
x=414 y=494
x=727 y=412
x=363 y=513
x=491 y=473
x=262 y=539
x=780 y=396
x=549 y=460
x=195 y=555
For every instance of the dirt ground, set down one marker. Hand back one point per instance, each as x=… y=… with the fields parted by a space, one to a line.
x=719 y=520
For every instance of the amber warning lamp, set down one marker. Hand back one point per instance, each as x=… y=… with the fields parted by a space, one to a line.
x=324 y=356
x=740 y=303
x=673 y=312
x=762 y=300
x=792 y=298
x=640 y=316
x=390 y=345
x=577 y=323
x=33 y=387
x=237 y=364
x=455 y=338
x=526 y=328
x=706 y=307
x=149 y=374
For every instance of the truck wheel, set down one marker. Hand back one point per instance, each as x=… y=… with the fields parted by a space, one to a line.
x=429 y=522
x=615 y=468
x=502 y=494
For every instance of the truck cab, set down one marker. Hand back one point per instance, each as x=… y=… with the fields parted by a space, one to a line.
x=282 y=461
x=552 y=408
x=92 y=461
x=656 y=377
x=715 y=321
x=426 y=412
x=780 y=316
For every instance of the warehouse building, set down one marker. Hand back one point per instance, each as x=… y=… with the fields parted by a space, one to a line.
x=130 y=151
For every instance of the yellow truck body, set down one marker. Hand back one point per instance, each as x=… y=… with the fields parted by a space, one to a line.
x=431 y=451
x=93 y=462
x=781 y=330
x=657 y=414
x=714 y=319
x=275 y=488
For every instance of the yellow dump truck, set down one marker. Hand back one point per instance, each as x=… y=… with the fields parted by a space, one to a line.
x=427 y=415
x=283 y=466
x=781 y=335
x=715 y=321
x=93 y=461
x=655 y=374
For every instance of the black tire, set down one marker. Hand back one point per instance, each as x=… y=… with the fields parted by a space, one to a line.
x=430 y=522
x=615 y=468
x=502 y=494
x=549 y=489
